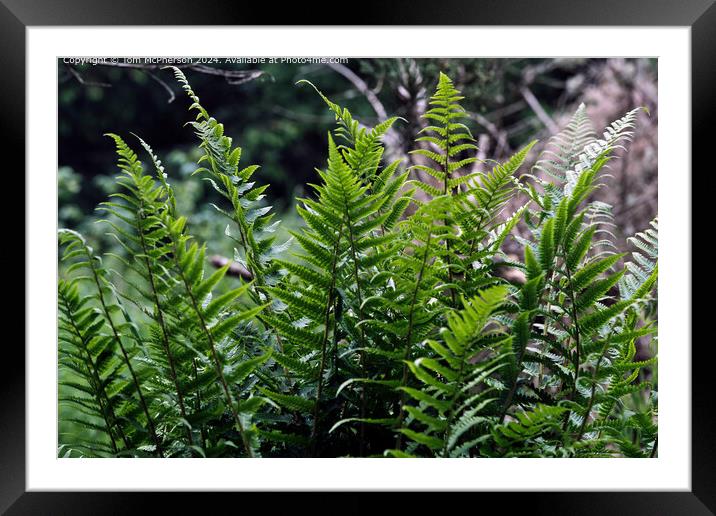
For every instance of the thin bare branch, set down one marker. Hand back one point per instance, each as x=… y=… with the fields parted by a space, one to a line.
x=163 y=85
x=85 y=82
x=539 y=110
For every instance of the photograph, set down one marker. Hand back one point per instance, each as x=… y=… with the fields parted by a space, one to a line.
x=363 y=257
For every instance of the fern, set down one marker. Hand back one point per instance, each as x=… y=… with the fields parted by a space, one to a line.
x=363 y=149
x=534 y=433
x=482 y=232
x=642 y=271
x=89 y=356
x=451 y=139
x=137 y=227
x=580 y=315
x=189 y=329
x=455 y=397
x=345 y=239
x=388 y=329
x=561 y=155
x=83 y=258
x=255 y=242
x=402 y=309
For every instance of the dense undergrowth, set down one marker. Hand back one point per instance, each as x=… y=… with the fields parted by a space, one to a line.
x=385 y=326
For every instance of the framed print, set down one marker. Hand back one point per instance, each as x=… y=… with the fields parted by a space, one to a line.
x=265 y=257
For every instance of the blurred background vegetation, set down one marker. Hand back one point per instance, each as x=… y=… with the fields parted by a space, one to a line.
x=282 y=127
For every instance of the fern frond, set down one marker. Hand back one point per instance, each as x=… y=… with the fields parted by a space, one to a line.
x=143 y=236
x=82 y=350
x=84 y=256
x=450 y=138
x=454 y=399
x=363 y=150
x=643 y=269
x=234 y=183
x=562 y=151
x=519 y=437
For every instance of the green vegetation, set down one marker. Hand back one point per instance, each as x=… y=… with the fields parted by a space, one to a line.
x=389 y=323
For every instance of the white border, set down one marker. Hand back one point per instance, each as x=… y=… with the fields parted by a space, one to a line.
x=671 y=470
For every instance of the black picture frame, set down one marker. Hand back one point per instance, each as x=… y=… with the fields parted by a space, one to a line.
x=17 y=15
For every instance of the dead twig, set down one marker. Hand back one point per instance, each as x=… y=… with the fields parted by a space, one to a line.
x=235 y=269
x=162 y=84
x=85 y=82
x=538 y=110
x=233 y=77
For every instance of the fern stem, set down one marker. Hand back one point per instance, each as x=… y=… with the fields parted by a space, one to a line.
x=202 y=430
x=212 y=349
x=99 y=389
x=409 y=338
x=324 y=340
x=576 y=336
x=520 y=357
x=335 y=344
x=251 y=261
x=513 y=388
x=162 y=324
x=451 y=415
x=593 y=391
x=106 y=409
x=545 y=326
x=446 y=169
x=359 y=295
x=118 y=340
x=258 y=275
